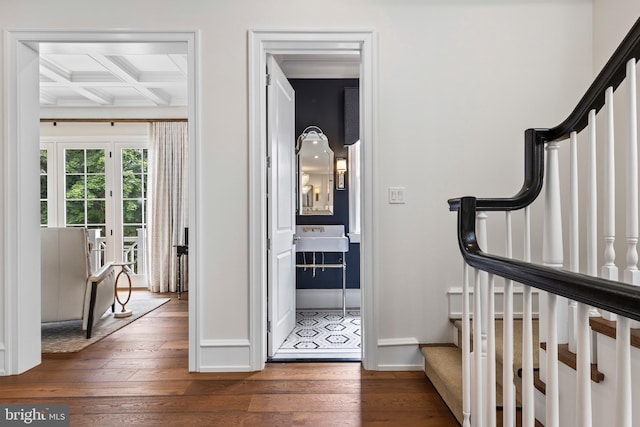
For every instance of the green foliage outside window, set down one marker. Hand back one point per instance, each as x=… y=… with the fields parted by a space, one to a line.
x=85 y=187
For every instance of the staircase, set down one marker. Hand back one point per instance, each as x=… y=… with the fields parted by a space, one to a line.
x=598 y=277
x=443 y=365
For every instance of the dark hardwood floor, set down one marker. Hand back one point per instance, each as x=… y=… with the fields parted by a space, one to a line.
x=138 y=376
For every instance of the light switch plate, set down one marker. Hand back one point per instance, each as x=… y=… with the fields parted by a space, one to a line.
x=396 y=195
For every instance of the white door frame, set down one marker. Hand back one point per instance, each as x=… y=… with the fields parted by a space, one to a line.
x=262 y=43
x=19 y=256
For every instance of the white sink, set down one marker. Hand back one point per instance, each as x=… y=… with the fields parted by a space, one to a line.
x=321 y=238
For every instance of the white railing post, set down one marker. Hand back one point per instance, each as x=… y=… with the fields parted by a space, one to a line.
x=478 y=364
x=508 y=387
x=609 y=269
x=481 y=330
x=623 y=417
x=491 y=352
x=583 y=369
x=552 y=257
x=94 y=236
x=574 y=232
x=140 y=259
x=466 y=350
x=631 y=272
x=528 y=403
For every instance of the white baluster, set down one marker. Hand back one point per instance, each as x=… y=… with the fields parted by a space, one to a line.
x=583 y=368
x=528 y=404
x=478 y=398
x=592 y=199
x=482 y=286
x=552 y=256
x=623 y=373
x=592 y=207
x=574 y=231
x=141 y=265
x=508 y=390
x=466 y=350
x=631 y=272
x=609 y=269
x=491 y=353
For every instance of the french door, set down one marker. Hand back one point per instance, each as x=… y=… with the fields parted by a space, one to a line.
x=101 y=186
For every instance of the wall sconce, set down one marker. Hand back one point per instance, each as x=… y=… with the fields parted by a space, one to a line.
x=316 y=192
x=341 y=169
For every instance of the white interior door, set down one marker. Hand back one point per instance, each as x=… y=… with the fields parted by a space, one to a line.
x=281 y=287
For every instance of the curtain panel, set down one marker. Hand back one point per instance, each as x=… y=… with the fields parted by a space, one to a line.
x=167 y=200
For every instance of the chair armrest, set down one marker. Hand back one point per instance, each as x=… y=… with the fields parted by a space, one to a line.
x=101 y=274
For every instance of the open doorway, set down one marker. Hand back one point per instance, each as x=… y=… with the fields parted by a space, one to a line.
x=286 y=45
x=326 y=279
x=23 y=328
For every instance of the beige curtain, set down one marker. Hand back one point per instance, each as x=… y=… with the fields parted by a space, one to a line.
x=168 y=192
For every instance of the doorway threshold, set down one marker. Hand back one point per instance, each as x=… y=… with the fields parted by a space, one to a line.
x=322 y=334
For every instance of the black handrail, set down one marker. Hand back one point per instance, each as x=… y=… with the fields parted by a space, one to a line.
x=612 y=296
x=616 y=297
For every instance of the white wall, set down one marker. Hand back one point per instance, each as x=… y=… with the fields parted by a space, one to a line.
x=612 y=19
x=459 y=82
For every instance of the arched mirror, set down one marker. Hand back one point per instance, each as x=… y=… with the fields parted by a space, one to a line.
x=315 y=173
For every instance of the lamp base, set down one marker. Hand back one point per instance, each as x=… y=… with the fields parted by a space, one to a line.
x=122 y=314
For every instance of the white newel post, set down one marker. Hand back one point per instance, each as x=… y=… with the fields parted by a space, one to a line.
x=508 y=387
x=552 y=257
x=528 y=403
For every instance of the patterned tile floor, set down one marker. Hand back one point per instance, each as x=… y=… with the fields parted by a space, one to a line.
x=323 y=334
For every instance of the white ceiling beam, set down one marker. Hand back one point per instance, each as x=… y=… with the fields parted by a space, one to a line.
x=181 y=62
x=57 y=74
x=48 y=99
x=125 y=71
x=154 y=48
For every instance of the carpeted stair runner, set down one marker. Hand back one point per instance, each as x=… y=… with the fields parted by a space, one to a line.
x=443 y=365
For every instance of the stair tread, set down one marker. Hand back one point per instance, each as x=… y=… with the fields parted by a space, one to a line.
x=517 y=341
x=442 y=366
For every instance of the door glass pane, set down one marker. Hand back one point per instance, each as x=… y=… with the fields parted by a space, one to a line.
x=134 y=215
x=85 y=203
x=95 y=187
x=75 y=212
x=74 y=161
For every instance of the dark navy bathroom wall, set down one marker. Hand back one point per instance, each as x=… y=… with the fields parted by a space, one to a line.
x=320 y=102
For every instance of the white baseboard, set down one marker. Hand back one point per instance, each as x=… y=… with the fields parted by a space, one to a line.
x=225 y=356
x=400 y=354
x=326 y=298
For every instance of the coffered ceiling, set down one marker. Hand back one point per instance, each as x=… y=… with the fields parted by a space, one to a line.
x=113 y=74
x=89 y=75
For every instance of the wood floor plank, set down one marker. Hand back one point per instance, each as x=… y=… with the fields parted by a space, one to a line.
x=139 y=376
